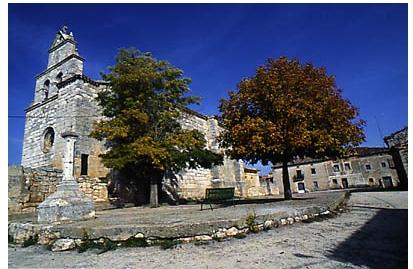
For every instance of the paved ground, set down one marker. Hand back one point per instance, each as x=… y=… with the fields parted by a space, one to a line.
x=189 y=220
x=371 y=234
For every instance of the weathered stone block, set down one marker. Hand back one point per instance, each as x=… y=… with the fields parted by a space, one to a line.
x=66 y=204
x=63 y=244
x=203 y=237
x=233 y=231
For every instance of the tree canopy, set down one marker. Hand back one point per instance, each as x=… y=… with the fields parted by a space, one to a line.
x=141 y=127
x=286 y=110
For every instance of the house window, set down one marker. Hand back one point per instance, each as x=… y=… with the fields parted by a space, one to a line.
x=299 y=174
x=315 y=184
x=371 y=180
x=336 y=168
x=383 y=164
x=48 y=139
x=84 y=164
x=334 y=181
x=313 y=172
x=368 y=167
x=347 y=166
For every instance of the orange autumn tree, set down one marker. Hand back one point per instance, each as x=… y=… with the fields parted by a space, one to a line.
x=288 y=110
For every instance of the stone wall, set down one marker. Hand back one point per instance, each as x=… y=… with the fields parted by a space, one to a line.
x=193 y=182
x=398 y=138
x=381 y=166
x=75 y=109
x=17 y=193
x=28 y=187
x=87 y=112
x=38 y=119
x=95 y=188
x=60 y=52
x=269 y=186
x=398 y=144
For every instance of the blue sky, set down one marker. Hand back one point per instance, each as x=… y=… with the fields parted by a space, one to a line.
x=363 y=45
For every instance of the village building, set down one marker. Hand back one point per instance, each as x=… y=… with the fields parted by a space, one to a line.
x=367 y=167
x=64 y=100
x=267 y=182
x=398 y=144
x=256 y=185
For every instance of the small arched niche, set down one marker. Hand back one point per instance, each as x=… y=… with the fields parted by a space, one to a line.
x=59 y=77
x=48 y=139
x=46 y=86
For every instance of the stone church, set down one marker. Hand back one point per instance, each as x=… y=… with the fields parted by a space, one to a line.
x=64 y=100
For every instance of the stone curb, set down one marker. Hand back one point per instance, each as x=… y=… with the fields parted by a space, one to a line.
x=59 y=239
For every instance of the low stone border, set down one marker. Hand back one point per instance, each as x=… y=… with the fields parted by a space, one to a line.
x=28 y=233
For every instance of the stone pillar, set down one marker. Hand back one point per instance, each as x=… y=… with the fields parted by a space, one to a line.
x=68 y=203
x=68 y=159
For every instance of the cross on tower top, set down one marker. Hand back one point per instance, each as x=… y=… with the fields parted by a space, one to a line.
x=62 y=35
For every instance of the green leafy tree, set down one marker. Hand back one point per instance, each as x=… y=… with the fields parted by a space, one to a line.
x=142 y=106
x=287 y=110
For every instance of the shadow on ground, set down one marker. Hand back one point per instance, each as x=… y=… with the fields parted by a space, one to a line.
x=247 y=201
x=380 y=243
x=268 y=200
x=393 y=189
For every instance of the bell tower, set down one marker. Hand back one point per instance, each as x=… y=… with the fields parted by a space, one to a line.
x=47 y=116
x=63 y=46
x=64 y=62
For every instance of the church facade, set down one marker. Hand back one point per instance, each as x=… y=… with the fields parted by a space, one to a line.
x=64 y=100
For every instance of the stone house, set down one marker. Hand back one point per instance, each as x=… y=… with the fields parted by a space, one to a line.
x=367 y=167
x=64 y=100
x=252 y=181
x=267 y=182
x=256 y=185
x=398 y=144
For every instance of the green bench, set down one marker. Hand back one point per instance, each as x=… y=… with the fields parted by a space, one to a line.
x=218 y=195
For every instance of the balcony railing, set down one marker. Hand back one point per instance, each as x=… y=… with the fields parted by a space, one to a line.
x=298 y=178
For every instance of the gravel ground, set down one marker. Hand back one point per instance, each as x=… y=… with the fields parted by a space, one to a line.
x=371 y=233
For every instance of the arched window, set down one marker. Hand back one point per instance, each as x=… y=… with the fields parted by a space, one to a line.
x=48 y=139
x=46 y=86
x=59 y=77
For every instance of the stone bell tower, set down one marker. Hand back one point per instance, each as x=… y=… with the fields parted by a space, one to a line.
x=49 y=113
x=65 y=101
x=64 y=62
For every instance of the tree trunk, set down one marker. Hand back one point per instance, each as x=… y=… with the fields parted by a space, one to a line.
x=153 y=197
x=286 y=181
